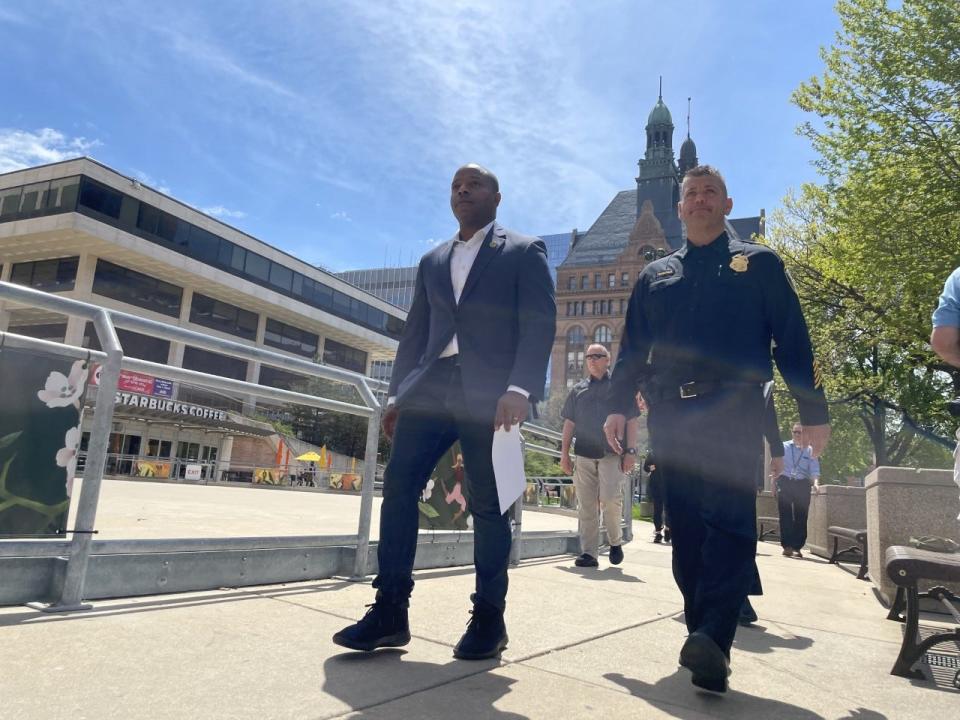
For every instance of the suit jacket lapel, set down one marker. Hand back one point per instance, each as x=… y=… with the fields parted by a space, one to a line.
x=443 y=262
x=492 y=245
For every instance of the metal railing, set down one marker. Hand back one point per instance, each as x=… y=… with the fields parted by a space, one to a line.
x=549 y=490
x=35 y=568
x=105 y=321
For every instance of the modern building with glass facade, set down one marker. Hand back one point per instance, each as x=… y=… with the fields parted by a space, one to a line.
x=83 y=230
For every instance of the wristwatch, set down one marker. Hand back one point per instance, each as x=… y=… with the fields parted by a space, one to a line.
x=629 y=451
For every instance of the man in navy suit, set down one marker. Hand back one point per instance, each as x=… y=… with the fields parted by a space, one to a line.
x=472 y=357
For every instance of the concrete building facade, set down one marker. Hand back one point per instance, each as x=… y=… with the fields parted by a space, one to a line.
x=85 y=231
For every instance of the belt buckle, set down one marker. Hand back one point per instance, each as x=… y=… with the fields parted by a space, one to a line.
x=688 y=390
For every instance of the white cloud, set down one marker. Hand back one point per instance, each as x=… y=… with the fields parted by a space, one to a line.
x=219 y=211
x=22 y=148
x=516 y=100
x=341 y=215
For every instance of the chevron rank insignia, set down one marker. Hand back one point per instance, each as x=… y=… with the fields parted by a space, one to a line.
x=817 y=375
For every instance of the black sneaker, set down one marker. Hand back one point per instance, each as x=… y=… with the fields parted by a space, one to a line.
x=616 y=554
x=657 y=538
x=748 y=615
x=586 y=561
x=486 y=634
x=666 y=535
x=385 y=625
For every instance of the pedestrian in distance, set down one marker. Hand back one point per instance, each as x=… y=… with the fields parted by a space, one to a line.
x=598 y=473
x=801 y=474
x=657 y=493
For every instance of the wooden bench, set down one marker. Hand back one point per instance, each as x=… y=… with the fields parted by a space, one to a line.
x=857 y=536
x=773 y=528
x=906 y=567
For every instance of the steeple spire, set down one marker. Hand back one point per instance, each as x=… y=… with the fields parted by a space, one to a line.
x=688 y=150
x=660 y=94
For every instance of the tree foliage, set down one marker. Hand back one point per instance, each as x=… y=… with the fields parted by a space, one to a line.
x=870 y=247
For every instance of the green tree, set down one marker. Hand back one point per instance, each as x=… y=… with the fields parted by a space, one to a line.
x=869 y=248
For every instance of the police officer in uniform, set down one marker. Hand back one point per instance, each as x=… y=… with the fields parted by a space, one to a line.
x=699 y=330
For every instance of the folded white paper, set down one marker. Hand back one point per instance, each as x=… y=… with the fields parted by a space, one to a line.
x=508 y=466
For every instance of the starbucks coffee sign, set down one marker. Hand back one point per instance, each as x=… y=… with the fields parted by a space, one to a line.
x=177 y=408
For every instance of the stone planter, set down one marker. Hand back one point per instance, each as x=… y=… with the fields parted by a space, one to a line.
x=834 y=505
x=903 y=503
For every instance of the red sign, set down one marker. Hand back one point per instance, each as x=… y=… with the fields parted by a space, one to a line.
x=135 y=382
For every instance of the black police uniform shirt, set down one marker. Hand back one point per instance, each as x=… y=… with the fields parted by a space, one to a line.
x=586 y=407
x=708 y=314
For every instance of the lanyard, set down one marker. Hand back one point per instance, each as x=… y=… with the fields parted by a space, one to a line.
x=796 y=465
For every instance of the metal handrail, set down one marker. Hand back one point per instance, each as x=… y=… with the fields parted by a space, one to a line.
x=105 y=322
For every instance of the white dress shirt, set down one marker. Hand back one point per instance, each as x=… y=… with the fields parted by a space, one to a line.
x=462 y=257
x=461 y=261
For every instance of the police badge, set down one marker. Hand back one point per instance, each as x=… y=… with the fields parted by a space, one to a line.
x=739 y=263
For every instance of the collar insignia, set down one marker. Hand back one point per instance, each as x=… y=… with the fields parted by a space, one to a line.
x=739 y=263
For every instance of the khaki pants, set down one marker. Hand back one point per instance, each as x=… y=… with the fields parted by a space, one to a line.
x=599 y=482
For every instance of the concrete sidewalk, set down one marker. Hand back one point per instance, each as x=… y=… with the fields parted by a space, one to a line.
x=583 y=644
x=141 y=509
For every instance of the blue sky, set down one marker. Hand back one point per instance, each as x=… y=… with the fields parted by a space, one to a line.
x=332 y=129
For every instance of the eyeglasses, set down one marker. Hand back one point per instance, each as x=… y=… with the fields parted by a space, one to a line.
x=596 y=357
x=798 y=432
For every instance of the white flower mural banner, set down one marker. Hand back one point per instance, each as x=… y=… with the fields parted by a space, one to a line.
x=67 y=456
x=62 y=390
x=40 y=437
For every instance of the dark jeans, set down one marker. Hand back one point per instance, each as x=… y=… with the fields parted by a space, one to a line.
x=793 y=502
x=706 y=450
x=658 y=497
x=430 y=420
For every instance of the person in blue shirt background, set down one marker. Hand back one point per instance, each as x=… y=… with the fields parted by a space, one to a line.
x=945 y=339
x=801 y=472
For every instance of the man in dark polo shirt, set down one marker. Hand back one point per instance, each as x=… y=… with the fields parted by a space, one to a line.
x=597 y=472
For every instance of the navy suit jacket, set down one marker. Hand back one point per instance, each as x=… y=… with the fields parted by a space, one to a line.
x=505 y=321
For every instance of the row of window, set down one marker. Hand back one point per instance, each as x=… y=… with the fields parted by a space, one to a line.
x=598 y=281
x=41 y=198
x=647 y=252
x=577 y=339
x=600 y=307
x=99 y=201
x=135 y=288
x=129 y=286
x=49 y=275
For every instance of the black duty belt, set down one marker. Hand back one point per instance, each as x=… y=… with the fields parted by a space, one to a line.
x=660 y=392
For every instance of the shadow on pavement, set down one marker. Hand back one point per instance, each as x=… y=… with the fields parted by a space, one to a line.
x=608 y=573
x=169 y=602
x=675 y=695
x=755 y=639
x=368 y=681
